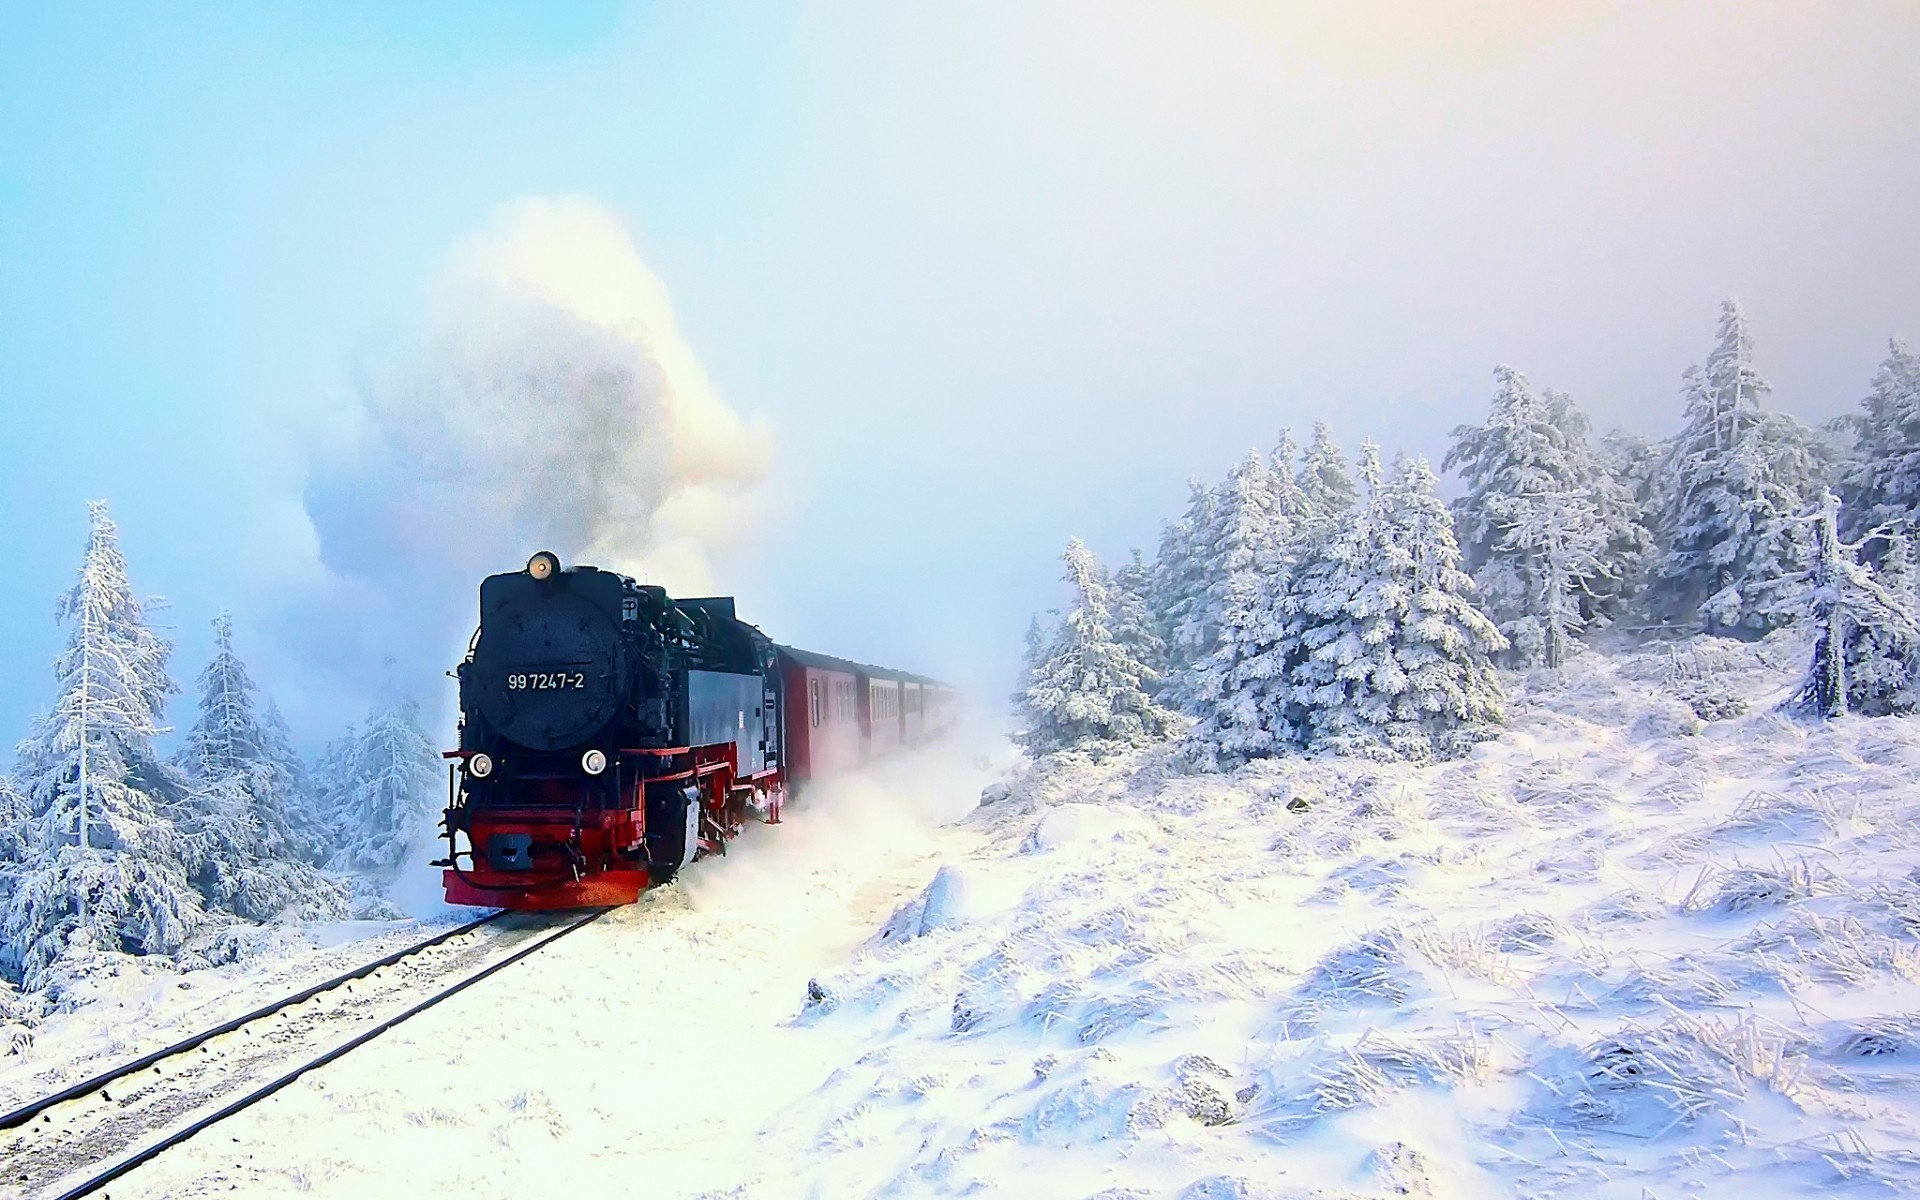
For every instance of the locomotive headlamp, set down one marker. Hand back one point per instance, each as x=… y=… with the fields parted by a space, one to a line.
x=593 y=762
x=479 y=765
x=543 y=565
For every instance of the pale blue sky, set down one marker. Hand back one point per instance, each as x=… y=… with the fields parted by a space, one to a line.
x=995 y=274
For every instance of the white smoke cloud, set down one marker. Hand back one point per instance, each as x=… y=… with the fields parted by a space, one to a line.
x=547 y=400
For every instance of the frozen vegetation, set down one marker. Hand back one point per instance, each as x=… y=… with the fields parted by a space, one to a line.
x=117 y=860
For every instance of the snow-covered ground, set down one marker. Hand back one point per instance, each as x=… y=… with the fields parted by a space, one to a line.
x=1619 y=952
x=142 y=1004
x=639 y=1056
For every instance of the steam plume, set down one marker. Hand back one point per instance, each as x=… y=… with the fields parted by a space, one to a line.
x=548 y=400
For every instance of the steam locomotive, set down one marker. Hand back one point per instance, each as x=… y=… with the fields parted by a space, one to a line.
x=610 y=734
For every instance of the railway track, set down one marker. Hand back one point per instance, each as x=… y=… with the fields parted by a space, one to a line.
x=76 y=1141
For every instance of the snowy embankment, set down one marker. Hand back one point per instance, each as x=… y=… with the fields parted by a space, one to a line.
x=142 y=1004
x=1619 y=952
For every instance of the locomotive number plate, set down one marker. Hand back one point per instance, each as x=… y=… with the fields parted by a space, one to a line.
x=547 y=681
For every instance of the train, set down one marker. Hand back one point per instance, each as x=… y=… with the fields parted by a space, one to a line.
x=610 y=734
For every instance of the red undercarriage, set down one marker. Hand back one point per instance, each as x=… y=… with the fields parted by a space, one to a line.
x=598 y=857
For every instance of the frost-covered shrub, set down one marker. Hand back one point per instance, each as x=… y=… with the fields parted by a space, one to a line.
x=1895 y=1036
x=1744 y=889
x=1664 y=719
x=1711 y=700
x=1805 y=947
x=1650 y=1081
x=1380 y=1064
x=19 y=1015
x=1370 y=970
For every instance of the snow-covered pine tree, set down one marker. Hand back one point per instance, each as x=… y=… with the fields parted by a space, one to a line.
x=1560 y=533
x=243 y=819
x=17 y=1019
x=1177 y=595
x=1627 y=544
x=104 y=870
x=1883 y=666
x=1087 y=692
x=1131 y=591
x=392 y=792
x=1530 y=528
x=333 y=791
x=1881 y=484
x=1866 y=655
x=1735 y=477
x=1234 y=548
x=14 y=814
x=1240 y=687
x=231 y=740
x=226 y=738
x=306 y=828
x=1327 y=489
x=1626 y=493
x=1032 y=656
x=1390 y=656
x=1290 y=505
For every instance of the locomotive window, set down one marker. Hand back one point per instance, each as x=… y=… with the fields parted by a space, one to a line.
x=813 y=700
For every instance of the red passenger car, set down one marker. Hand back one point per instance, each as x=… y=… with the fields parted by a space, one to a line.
x=824 y=727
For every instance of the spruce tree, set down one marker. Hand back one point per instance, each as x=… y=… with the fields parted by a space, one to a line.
x=1327 y=490
x=1032 y=656
x=1239 y=546
x=1736 y=476
x=1134 y=625
x=1529 y=523
x=103 y=869
x=1241 y=683
x=1390 y=658
x=300 y=806
x=391 y=792
x=1180 y=578
x=244 y=817
x=232 y=740
x=1882 y=479
x=1866 y=655
x=1290 y=505
x=14 y=815
x=1627 y=495
x=1086 y=692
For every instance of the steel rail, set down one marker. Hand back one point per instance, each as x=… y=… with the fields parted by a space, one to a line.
x=27 y=1112
x=96 y=1182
